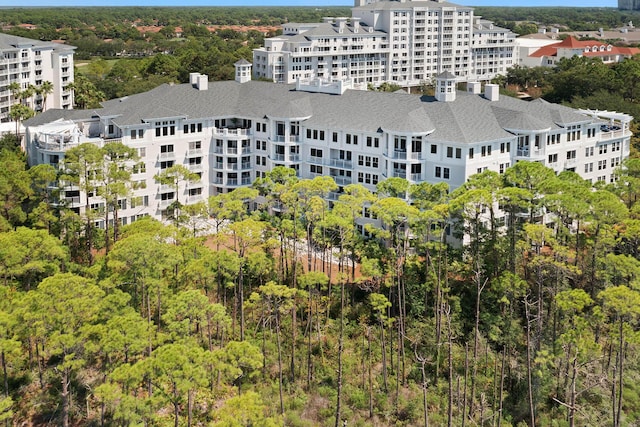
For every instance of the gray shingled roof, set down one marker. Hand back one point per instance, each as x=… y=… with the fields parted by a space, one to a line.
x=515 y=120
x=470 y=118
x=54 y=114
x=326 y=29
x=396 y=5
x=8 y=41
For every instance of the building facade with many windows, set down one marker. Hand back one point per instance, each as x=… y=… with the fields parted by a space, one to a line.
x=30 y=62
x=232 y=132
x=403 y=42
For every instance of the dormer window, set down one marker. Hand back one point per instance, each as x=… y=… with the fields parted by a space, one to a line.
x=587 y=49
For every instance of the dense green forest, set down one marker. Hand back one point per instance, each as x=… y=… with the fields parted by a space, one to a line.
x=304 y=317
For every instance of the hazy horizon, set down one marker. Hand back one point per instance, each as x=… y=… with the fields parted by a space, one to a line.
x=316 y=3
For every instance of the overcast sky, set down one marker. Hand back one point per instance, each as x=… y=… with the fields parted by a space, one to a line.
x=319 y=3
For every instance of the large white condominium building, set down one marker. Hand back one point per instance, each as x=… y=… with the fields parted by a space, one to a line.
x=232 y=132
x=404 y=42
x=31 y=63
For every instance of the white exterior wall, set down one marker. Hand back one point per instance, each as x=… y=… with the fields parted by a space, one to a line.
x=411 y=44
x=32 y=62
x=234 y=151
x=493 y=51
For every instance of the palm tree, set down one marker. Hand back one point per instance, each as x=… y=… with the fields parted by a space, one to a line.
x=18 y=113
x=45 y=89
x=85 y=93
x=26 y=94
x=15 y=89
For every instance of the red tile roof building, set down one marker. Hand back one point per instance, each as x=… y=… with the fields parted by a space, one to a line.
x=549 y=55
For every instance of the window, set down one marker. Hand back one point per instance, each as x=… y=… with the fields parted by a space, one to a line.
x=458 y=153
x=166 y=164
x=553 y=139
x=588 y=167
x=140 y=167
x=335 y=137
x=316 y=169
x=316 y=152
x=602 y=164
x=471 y=153
x=434 y=149
x=504 y=167
x=373 y=142
x=445 y=173
x=588 y=151
x=449 y=152
x=553 y=158
x=438 y=172
x=571 y=154
x=505 y=147
x=195 y=191
x=165 y=128
x=603 y=149
x=615 y=162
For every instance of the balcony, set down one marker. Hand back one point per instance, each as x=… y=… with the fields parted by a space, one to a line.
x=277 y=157
x=342 y=180
x=333 y=195
x=168 y=156
x=399 y=173
x=163 y=204
x=194 y=184
x=526 y=152
x=246 y=181
x=315 y=160
x=218 y=150
x=342 y=164
x=237 y=132
x=195 y=167
x=195 y=152
x=290 y=138
x=72 y=201
x=570 y=163
x=402 y=155
x=246 y=166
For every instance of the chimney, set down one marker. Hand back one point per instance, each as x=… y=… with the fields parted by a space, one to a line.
x=356 y=24
x=492 y=92
x=193 y=78
x=202 y=82
x=474 y=87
